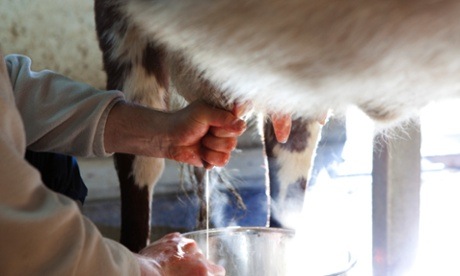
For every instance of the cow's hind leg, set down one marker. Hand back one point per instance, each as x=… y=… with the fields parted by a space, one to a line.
x=289 y=166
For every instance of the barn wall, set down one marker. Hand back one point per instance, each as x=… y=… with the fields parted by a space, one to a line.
x=57 y=35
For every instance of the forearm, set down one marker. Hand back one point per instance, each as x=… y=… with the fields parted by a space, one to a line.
x=136 y=130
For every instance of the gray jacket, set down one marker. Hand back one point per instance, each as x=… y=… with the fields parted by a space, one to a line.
x=41 y=232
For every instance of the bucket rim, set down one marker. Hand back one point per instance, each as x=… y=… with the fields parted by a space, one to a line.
x=240 y=229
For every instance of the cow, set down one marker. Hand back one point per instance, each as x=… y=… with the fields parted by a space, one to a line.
x=299 y=58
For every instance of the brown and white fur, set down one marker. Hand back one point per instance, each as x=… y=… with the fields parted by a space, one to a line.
x=299 y=57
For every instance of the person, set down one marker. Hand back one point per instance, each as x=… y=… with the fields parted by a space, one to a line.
x=43 y=232
x=60 y=173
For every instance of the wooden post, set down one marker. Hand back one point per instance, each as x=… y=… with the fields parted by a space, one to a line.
x=396 y=200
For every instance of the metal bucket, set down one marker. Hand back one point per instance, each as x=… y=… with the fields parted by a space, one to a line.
x=260 y=251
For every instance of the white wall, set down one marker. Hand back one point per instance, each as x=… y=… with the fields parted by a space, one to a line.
x=57 y=35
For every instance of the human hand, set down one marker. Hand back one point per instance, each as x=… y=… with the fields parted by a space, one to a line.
x=174 y=255
x=203 y=135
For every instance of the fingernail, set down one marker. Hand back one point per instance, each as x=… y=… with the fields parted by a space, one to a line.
x=238 y=124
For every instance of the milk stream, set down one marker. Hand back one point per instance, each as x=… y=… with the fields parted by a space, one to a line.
x=207 y=193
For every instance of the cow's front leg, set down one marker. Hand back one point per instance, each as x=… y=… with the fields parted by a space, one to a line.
x=137 y=176
x=289 y=165
x=135 y=66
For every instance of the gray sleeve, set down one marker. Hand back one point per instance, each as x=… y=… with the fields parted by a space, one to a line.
x=59 y=114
